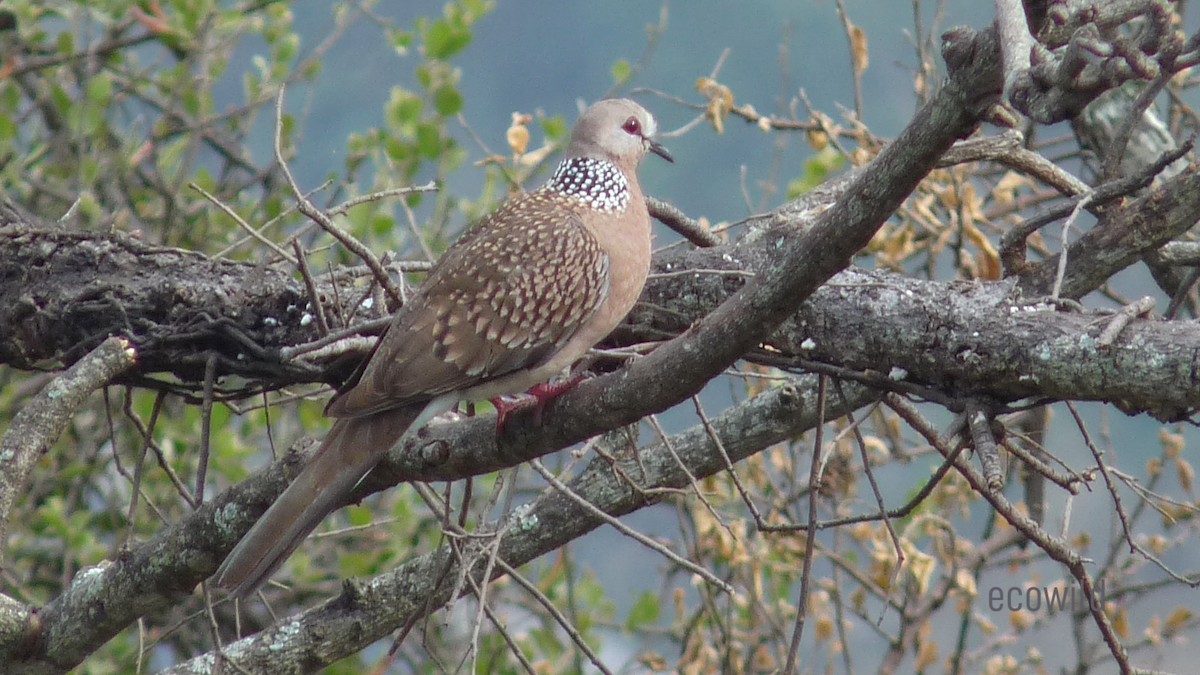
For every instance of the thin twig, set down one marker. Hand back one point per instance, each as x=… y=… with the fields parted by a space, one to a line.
x=737 y=482
x=814 y=482
x=558 y=617
x=307 y=208
x=311 y=287
x=744 y=274
x=210 y=379
x=1122 y=319
x=1057 y=548
x=887 y=522
x=140 y=467
x=689 y=228
x=1061 y=272
x=855 y=71
x=1115 y=152
x=289 y=353
x=980 y=425
x=378 y=195
x=145 y=433
x=243 y=224
x=1134 y=546
x=270 y=223
x=624 y=529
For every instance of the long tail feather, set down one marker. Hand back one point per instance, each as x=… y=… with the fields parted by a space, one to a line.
x=351 y=449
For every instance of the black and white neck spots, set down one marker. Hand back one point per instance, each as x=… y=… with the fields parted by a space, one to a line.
x=596 y=181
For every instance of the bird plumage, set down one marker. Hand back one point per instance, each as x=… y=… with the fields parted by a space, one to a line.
x=519 y=298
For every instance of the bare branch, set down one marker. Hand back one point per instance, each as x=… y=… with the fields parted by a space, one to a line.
x=35 y=429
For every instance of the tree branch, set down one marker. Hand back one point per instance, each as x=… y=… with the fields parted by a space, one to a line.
x=371 y=610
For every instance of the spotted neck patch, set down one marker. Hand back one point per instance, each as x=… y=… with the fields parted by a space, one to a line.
x=598 y=182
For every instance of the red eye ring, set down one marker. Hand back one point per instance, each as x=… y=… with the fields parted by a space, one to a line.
x=632 y=126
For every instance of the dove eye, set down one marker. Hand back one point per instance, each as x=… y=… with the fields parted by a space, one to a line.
x=632 y=127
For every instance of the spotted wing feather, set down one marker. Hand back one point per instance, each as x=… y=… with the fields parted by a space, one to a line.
x=505 y=297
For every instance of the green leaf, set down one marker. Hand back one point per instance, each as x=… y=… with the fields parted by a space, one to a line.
x=358 y=563
x=555 y=128
x=621 y=71
x=251 y=85
x=397 y=151
x=359 y=515
x=645 y=611
x=66 y=43
x=8 y=129
x=170 y=156
x=191 y=101
x=403 y=110
x=382 y=224
x=448 y=101
x=400 y=40
x=287 y=47
x=429 y=140
x=89 y=170
x=816 y=170
x=99 y=90
x=445 y=40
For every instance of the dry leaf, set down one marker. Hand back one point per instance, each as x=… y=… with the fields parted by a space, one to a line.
x=720 y=101
x=818 y=140
x=858 y=49
x=926 y=655
x=1186 y=474
x=518 y=135
x=1178 y=620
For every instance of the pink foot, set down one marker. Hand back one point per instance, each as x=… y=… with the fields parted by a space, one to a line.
x=537 y=398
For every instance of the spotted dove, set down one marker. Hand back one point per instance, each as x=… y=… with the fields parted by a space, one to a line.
x=518 y=299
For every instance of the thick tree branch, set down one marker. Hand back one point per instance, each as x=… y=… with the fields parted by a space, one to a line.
x=66 y=290
x=1122 y=237
x=978 y=339
x=371 y=610
x=42 y=420
x=1082 y=52
x=30 y=436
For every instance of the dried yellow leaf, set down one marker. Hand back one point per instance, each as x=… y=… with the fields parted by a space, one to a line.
x=920 y=565
x=1186 y=474
x=858 y=49
x=1178 y=620
x=1154 y=467
x=518 y=135
x=1006 y=189
x=1157 y=544
x=764 y=661
x=1173 y=444
x=965 y=581
x=1120 y=621
x=720 y=101
x=1153 y=633
x=1021 y=619
x=989 y=263
x=818 y=140
x=927 y=653
x=824 y=629
x=655 y=662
